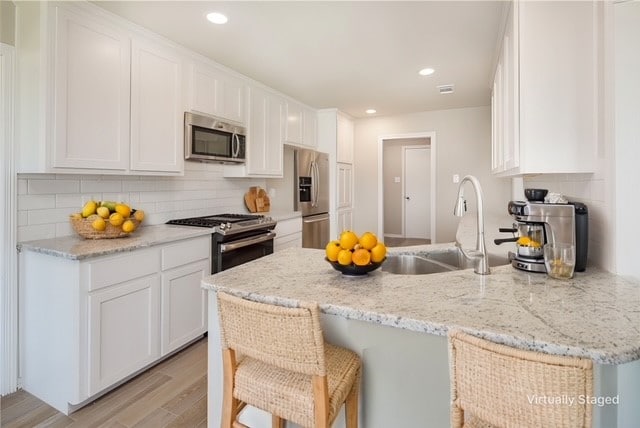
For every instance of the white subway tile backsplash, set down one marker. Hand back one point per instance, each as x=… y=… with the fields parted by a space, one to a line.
x=52 y=186
x=99 y=186
x=38 y=231
x=37 y=202
x=69 y=201
x=22 y=186
x=48 y=199
x=53 y=215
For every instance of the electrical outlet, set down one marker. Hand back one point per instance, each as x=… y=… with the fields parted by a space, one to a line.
x=456 y=178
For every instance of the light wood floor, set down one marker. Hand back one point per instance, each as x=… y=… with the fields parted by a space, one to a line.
x=171 y=394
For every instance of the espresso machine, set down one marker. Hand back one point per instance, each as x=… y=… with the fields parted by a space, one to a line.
x=539 y=223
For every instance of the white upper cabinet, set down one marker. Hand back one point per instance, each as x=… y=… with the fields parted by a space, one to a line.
x=156 y=109
x=112 y=95
x=310 y=127
x=344 y=143
x=91 y=94
x=217 y=93
x=293 y=122
x=544 y=100
x=265 y=133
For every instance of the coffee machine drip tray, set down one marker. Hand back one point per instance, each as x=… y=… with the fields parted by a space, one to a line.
x=529 y=264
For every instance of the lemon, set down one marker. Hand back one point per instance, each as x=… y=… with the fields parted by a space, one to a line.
x=368 y=240
x=378 y=252
x=103 y=212
x=109 y=204
x=332 y=249
x=138 y=215
x=128 y=226
x=89 y=208
x=99 y=224
x=344 y=257
x=348 y=240
x=116 y=219
x=123 y=209
x=525 y=241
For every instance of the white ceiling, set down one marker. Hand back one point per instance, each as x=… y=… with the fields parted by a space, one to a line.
x=349 y=55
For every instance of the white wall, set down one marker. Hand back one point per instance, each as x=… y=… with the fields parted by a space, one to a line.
x=627 y=134
x=46 y=200
x=463 y=146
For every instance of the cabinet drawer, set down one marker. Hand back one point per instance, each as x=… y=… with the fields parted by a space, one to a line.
x=185 y=252
x=287 y=227
x=115 y=270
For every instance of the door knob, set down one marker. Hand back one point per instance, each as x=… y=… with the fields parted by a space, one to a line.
x=407 y=198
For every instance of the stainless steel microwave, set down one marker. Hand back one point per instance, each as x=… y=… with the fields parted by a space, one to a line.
x=207 y=138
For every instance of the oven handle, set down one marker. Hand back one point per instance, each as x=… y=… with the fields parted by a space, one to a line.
x=246 y=242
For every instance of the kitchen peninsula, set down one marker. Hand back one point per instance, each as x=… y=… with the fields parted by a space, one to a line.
x=398 y=324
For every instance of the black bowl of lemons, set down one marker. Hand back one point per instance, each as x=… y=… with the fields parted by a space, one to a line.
x=355 y=256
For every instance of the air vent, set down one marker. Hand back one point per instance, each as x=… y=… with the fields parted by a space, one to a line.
x=445 y=89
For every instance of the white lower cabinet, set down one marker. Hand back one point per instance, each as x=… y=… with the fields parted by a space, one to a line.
x=87 y=325
x=124 y=330
x=181 y=289
x=288 y=234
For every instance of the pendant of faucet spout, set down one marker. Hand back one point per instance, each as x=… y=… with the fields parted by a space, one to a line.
x=482 y=266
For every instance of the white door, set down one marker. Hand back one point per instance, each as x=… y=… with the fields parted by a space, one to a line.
x=417 y=172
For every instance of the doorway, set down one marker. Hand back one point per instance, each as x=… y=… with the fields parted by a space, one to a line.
x=406 y=169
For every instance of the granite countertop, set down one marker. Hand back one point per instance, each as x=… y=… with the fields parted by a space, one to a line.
x=596 y=314
x=77 y=248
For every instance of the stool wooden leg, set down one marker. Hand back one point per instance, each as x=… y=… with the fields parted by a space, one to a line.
x=351 y=406
x=229 y=404
x=277 y=422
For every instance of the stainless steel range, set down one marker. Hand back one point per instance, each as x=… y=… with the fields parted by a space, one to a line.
x=236 y=238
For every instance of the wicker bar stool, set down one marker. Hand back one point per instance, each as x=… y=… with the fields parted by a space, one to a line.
x=494 y=385
x=275 y=359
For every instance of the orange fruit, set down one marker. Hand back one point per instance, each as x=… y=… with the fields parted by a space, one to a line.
x=348 y=240
x=368 y=240
x=378 y=252
x=361 y=257
x=332 y=249
x=344 y=257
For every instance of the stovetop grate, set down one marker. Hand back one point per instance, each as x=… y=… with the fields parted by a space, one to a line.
x=213 y=220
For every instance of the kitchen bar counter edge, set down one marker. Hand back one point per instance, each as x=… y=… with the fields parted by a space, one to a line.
x=595 y=315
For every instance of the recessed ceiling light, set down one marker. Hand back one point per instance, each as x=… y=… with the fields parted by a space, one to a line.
x=217 y=18
x=370 y=111
x=426 y=72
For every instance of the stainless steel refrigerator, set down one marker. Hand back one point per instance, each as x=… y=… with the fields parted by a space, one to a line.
x=311 y=198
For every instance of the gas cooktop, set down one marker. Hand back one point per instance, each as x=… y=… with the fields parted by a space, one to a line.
x=226 y=224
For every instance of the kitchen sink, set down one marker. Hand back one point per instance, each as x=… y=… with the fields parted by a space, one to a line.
x=433 y=262
x=408 y=264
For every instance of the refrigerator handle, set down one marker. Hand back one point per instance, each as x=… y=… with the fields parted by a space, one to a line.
x=317 y=168
x=314 y=184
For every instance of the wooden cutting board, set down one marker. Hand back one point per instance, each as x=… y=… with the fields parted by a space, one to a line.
x=257 y=200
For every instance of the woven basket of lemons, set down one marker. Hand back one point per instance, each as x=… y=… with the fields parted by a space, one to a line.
x=105 y=220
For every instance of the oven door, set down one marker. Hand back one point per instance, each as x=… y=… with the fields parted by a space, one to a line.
x=236 y=252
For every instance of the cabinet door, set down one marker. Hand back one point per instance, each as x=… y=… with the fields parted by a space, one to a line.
x=264 y=153
x=124 y=330
x=345 y=220
x=184 y=305
x=233 y=90
x=345 y=185
x=156 y=109
x=310 y=125
x=91 y=94
x=344 y=150
x=293 y=123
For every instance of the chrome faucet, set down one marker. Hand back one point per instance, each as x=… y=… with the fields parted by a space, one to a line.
x=480 y=253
